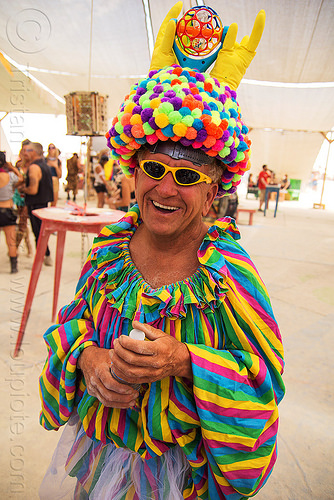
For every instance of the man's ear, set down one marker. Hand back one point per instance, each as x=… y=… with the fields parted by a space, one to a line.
x=210 y=196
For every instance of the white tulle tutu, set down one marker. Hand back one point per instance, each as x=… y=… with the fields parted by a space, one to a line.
x=83 y=469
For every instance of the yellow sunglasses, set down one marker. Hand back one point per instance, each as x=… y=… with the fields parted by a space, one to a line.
x=183 y=176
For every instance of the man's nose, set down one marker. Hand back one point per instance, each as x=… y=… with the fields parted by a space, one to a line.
x=167 y=185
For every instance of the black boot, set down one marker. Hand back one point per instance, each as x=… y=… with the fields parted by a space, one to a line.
x=13 y=265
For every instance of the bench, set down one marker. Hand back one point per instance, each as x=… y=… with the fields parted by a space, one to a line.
x=250 y=211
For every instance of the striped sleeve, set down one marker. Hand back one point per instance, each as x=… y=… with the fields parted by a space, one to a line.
x=60 y=383
x=238 y=416
x=237 y=389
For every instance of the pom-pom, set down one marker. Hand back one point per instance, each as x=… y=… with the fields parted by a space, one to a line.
x=198 y=124
x=191 y=133
x=162 y=120
x=188 y=120
x=125 y=120
x=202 y=135
x=135 y=119
x=146 y=114
x=138 y=131
x=148 y=129
x=119 y=127
x=174 y=117
x=209 y=141
x=155 y=103
x=180 y=129
x=152 y=123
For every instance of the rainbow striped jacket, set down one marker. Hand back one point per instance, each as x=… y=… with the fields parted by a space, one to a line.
x=226 y=421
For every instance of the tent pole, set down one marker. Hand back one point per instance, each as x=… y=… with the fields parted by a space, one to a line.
x=90 y=44
x=329 y=140
x=87 y=170
x=1 y=125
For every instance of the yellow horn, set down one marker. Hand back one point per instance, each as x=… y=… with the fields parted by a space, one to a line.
x=6 y=64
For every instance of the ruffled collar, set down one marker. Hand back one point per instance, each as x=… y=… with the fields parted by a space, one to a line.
x=125 y=289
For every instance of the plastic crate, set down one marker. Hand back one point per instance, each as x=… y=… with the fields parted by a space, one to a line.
x=294 y=189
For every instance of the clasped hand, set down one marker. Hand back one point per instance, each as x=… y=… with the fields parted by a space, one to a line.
x=135 y=362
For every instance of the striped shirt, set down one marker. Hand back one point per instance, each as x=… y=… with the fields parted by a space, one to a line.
x=226 y=421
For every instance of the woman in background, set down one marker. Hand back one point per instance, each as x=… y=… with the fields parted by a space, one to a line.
x=54 y=163
x=9 y=177
x=100 y=183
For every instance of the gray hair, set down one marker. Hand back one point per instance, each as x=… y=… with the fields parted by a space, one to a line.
x=216 y=170
x=37 y=147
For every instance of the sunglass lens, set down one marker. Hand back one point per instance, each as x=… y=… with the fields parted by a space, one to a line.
x=185 y=176
x=154 y=169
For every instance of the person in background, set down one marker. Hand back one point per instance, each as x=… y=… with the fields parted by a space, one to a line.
x=251 y=182
x=263 y=181
x=285 y=182
x=123 y=191
x=23 y=231
x=9 y=177
x=273 y=180
x=315 y=177
x=190 y=411
x=73 y=167
x=233 y=202
x=100 y=183
x=53 y=161
x=38 y=190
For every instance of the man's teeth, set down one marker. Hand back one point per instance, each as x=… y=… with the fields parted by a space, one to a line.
x=158 y=205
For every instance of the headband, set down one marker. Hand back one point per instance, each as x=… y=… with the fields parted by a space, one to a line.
x=178 y=152
x=189 y=108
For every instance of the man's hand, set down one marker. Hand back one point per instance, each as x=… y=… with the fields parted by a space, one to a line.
x=21 y=187
x=137 y=361
x=95 y=364
x=16 y=171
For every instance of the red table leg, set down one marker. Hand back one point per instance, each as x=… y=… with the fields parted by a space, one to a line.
x=35 y=272
x=59 y=262
x=60 y=222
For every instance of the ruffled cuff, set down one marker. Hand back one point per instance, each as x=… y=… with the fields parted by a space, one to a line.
x=61 y=383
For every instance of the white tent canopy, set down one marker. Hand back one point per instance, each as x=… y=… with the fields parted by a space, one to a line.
x=287 y=98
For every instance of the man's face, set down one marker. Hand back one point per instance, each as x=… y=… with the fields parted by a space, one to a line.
x=168 y=209
x=25 y=153
x=32 y=155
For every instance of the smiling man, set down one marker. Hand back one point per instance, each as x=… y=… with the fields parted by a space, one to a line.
x=174 y=191
x=191 y=412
